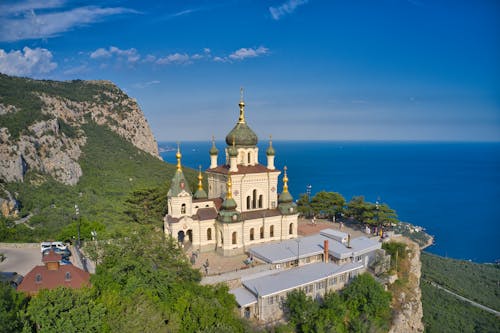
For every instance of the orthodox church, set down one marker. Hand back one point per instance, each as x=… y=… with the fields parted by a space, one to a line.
x=242 y=207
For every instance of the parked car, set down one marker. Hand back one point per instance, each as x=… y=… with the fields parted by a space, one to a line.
x=52 y=245
x=65 y=262
x=66 y=253
x=11 y=278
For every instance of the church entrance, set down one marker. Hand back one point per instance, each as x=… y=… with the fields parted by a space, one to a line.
x=190 y=235
x=180 y=236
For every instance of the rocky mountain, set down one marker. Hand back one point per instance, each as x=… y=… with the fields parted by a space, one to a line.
x=41 y=125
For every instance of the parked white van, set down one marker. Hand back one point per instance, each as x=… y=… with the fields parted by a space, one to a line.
x=52 y=245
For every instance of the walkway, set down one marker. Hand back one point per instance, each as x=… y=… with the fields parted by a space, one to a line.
x=477 y=305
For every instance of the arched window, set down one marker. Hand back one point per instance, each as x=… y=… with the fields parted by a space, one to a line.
x=254 y=199
x=209 y=234
x=67 y=276
x=290 y=229
x=248 y=202
x=38 y=278
x=271 y=231
x=249 y=158
x=261 y=232
x=260 y=200
x=183 y=209
x=251 y=234
x=234 y=237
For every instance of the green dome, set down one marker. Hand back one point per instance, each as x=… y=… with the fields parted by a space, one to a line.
x=200 y=194
x=285 y=197
x=228 y=204
x=242 y=136
x=270 y=151
x=233 y=152
x=213 y=150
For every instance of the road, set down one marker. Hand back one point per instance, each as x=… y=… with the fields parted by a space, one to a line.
x=477 y=305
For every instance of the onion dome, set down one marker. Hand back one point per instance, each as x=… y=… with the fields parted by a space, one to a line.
x=270 y=149
x=200 y=193
x=285 y=197
x=213 y=150
x=241 y=133
x=285 y=201
x=178 y=183
x=232 y=151
x=228 y=212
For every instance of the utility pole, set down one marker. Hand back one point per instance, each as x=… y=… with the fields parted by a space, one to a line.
x=77 y=214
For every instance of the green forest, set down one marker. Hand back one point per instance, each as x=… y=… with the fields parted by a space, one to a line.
x=444 y=312
x=120 y=185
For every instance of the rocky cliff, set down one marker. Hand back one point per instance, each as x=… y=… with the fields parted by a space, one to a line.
x=407 y=302
x=41 y=124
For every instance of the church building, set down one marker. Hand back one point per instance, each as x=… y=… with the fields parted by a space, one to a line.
x=242 y=207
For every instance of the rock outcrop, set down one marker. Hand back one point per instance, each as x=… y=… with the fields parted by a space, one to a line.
x=52 y=143
x=408 y=317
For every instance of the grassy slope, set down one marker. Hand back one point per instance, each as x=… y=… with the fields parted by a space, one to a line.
x=445 y=313
x=112 y=169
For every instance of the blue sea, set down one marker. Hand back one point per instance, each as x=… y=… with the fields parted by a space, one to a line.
x=451 y=189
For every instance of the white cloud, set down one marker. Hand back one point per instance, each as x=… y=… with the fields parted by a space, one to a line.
x=285 y=8
x=28 y=62
x=130 y=55
x=142 y=85
x=219 y=59
x=175 y=58
x=20 y=21
x=149 y=58
x=244 y=53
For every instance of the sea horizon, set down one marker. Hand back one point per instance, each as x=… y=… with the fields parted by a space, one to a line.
x=429 y=184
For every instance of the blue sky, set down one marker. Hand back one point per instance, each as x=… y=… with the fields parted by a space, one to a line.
x=328 y=70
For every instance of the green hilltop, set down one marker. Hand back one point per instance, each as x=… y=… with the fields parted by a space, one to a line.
x=119 y=182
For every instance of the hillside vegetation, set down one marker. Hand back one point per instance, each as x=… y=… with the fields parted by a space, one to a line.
x=117 y=177
x=445 y=313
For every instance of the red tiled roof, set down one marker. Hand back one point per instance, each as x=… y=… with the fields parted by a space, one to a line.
x=258 y=214
x=206 y=214
x=51 y=279
x=242 y=169
x=51 y=257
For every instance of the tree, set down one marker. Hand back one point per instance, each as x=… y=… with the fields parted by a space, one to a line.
x=370 y=213
x=12 y=305
x=304 y=206
x=302 y=311
x=327 y=204
x=65 y=310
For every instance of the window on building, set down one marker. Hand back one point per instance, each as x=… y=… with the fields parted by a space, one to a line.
x=270 y=300
x=290 y=228
x=251 y=234
x=254 y=199
x=271 y=231
x=261 y=232
x=209 y=234
x=38 y=278
x=249 y=158
x=249 y=199
x=234 y=237
x=67 y=276
x=261 y=199
x=183 y=209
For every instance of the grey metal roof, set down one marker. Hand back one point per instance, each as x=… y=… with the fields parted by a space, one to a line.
x=296 y=277
x=243 y=296
x=303 y=247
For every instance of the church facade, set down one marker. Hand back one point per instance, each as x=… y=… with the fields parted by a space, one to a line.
x=242 y=207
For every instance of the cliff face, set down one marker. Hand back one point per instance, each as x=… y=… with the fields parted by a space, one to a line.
x=408 y=317
x=41 y=124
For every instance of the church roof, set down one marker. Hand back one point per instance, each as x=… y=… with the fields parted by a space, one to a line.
x=242 y=135
x=224 y=169
x=206 y=214
x=178 y=184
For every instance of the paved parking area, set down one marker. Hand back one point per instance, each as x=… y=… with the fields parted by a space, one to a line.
x=20 y=260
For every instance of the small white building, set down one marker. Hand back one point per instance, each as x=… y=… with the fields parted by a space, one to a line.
x=262 y=296
x=339 y=247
